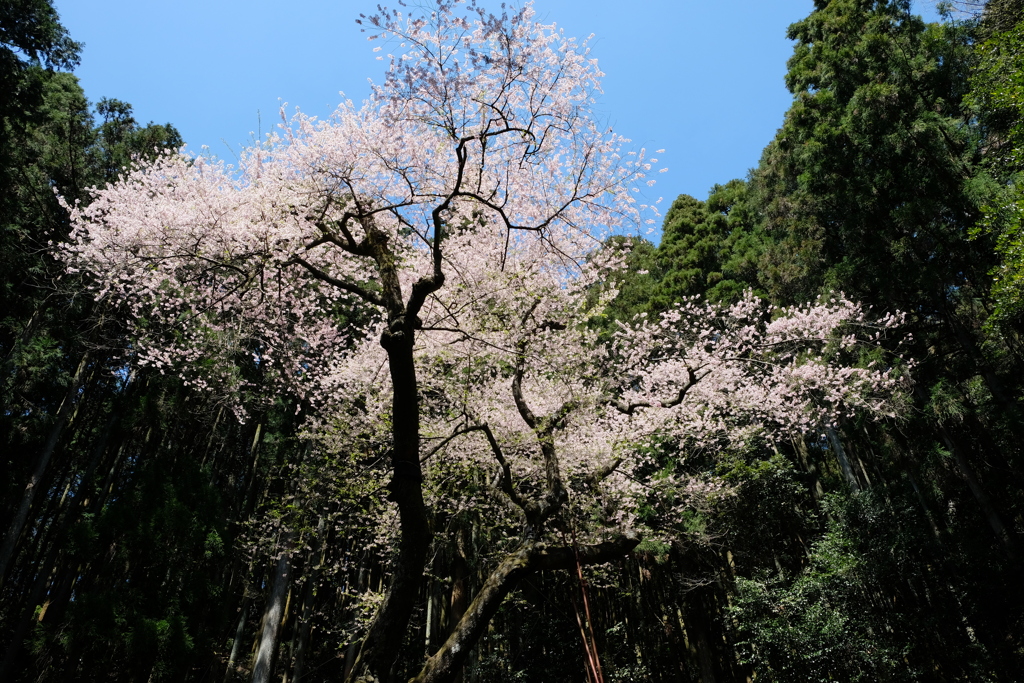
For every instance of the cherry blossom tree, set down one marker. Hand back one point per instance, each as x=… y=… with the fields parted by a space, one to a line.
x=461 y=209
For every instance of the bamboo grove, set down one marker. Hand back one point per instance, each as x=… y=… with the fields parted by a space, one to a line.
x=156 y=530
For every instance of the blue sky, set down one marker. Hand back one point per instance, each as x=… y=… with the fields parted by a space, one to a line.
x=703 y=80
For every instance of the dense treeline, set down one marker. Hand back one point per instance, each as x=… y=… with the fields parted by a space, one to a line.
x=154 y=531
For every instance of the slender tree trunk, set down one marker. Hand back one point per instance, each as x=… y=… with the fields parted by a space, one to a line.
x=236 y=645
x=303 y=627
x=800 y=444
x=273 y=615
x=10 y=543
x=304 y=624
x=362 y=583
x=43 y=577
x=970 y=346
x=23 y=339
x=844 y=462
x=936 y=533
x=254 y=454
x=460 y=593
x=429 y=628
x=700 y=642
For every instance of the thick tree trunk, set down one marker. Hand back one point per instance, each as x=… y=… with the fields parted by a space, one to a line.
x=9 y=546
x=383 y=641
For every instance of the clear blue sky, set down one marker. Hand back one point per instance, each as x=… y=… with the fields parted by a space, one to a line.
x=701 y=79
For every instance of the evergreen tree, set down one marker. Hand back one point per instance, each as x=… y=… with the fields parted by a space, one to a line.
x=997 y=93
x=864 y=184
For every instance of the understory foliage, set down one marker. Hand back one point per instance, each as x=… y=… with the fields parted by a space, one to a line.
x=400 y=397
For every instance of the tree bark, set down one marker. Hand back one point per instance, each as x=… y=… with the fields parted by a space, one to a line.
x=236 y=645
x=274 y=615
x=383 y=641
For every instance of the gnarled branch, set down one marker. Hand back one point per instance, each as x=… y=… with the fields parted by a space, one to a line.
x=630 y=408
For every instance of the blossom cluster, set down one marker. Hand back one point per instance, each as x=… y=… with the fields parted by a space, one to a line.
x=475 y=172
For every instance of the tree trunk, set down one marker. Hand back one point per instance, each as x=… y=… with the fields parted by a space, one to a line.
x=970 y=346
x=698 y=627
x=383 y=641
x=236 y=645
x=302 y=629
x=273 y=615
x=13 y=652
x=304 y=624
x=844 y=462
x=460 y=594
x=800 y=444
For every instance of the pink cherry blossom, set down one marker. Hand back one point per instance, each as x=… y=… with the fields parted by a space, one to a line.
x=461 y=209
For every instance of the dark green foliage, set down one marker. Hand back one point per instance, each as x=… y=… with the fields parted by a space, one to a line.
x=30 y=31
x=771 y=516
x=997 y=93
x=154 y=537
x=32 y=44
x=868 y=605
x=709 y=248
x=637 y=284
x=863 y=187
x=121 y=139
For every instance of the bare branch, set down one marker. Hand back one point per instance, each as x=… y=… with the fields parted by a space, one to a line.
x=448 y=439
x=506 y=471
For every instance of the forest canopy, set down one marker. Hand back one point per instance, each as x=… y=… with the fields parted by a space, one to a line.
x=401 y=395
